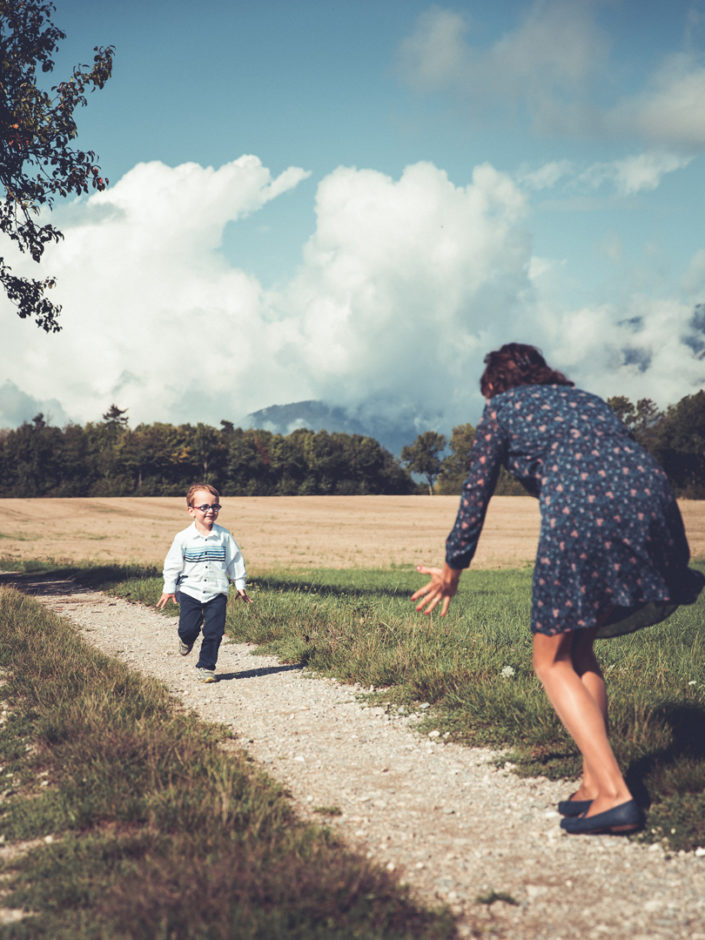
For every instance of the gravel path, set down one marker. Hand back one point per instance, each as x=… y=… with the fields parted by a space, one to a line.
x=440 y=816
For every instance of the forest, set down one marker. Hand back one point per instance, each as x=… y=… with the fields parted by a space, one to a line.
x=108 y=458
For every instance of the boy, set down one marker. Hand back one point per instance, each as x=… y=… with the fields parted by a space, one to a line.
x=198 y=568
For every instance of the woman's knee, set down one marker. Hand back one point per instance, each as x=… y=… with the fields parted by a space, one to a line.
x=549 y=652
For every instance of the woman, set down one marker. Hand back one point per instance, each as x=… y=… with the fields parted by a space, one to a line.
x=612 y=554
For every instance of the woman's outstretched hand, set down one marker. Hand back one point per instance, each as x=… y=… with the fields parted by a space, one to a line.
x=439 y=590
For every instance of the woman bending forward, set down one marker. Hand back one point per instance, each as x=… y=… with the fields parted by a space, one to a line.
x=612 y=554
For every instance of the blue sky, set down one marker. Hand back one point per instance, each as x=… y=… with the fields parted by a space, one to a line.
x=354 y=201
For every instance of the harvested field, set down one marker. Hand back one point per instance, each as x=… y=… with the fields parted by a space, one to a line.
x=281 y=531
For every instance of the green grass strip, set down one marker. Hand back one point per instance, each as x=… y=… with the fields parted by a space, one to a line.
x=474 y=668
x=133 y=819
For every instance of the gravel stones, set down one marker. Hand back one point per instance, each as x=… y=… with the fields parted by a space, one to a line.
x=440 y=816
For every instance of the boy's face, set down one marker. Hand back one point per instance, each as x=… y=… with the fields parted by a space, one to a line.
x=204 y=509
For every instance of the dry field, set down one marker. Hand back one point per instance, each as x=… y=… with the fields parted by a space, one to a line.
x=300 y=531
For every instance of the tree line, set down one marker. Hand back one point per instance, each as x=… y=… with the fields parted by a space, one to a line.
x=108 y=458
x=675 y=438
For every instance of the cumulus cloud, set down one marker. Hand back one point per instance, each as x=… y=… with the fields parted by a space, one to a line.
x=405 y=281
x=153 y=315
x=402 y=288
x=643 y=350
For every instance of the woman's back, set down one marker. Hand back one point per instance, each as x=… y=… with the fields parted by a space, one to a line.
x=538 y=416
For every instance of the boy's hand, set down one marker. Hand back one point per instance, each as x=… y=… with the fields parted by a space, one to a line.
x=243 y=595
x=162 y=602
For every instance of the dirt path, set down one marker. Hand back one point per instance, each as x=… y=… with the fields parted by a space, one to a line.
x=441 y=816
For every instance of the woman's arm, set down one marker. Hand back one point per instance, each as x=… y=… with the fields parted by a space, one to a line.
x=488 y=452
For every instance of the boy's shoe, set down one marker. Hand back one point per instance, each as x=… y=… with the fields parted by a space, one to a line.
x=185 y=648
x=206 y=675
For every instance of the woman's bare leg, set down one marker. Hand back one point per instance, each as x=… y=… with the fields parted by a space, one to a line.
x=588 y=669
x=582 y=716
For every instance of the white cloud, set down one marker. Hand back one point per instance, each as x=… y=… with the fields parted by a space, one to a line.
x=152 y=312
x=555 y=65
x=640 y=350
x=403 y=287
x=557 y=44
x=669 y=110
x=624 y=177
x=546 y=176
x=435 y=55
x=634 y=174
x=404 y=281
x=538 y=267
x=694 y=277
x=549 y=56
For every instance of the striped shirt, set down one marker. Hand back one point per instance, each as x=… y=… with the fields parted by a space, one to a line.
x=202 y=566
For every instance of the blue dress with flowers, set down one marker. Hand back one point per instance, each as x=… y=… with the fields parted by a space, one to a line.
x=612 y=537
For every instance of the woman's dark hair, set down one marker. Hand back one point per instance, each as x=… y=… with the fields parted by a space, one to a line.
x=517 y=364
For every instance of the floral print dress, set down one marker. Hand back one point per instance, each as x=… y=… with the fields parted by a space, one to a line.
x=612 y=542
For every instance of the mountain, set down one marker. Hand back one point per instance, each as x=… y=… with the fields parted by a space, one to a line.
x=318 y=416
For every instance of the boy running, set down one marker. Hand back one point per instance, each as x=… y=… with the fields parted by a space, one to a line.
x=198 y=568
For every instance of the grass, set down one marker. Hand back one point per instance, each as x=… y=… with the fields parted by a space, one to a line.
x=473 y=672
x=473 y=669
x=132 y=819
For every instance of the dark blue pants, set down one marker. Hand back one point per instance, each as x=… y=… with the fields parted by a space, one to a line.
x=210 y=615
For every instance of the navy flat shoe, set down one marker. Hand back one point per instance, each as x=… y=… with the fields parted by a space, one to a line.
x=627 y=817
x=573 y=807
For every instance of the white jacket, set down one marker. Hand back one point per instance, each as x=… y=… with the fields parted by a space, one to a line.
x=202 y=566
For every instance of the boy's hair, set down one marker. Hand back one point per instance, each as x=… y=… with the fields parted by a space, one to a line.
x=200 y=486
